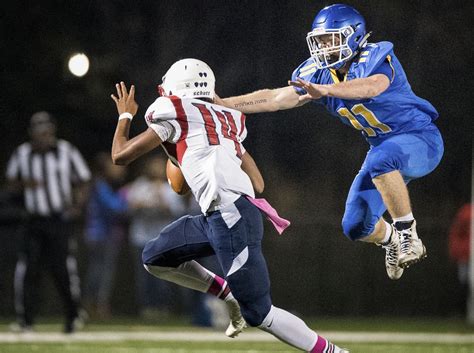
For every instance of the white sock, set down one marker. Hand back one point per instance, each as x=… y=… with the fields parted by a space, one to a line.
x=388 y=233
x=189 y=274
x=289 y=328
x=407 y=218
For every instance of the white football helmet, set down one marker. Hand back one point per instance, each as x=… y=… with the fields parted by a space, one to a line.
x=190 y=78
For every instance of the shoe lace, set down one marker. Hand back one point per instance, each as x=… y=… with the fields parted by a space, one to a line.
x=391 y=254
x=405 y=242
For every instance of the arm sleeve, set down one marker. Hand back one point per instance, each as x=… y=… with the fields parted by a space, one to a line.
x=161 y=109
x=164 y=130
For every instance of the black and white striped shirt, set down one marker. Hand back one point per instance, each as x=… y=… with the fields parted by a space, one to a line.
x=53 y=173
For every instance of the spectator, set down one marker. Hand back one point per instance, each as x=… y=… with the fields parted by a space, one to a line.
x=152 y=206
x=459 y=250
x=51 y=174
x=104 y=234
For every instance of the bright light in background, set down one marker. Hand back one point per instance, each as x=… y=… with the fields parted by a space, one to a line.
x=78 y=64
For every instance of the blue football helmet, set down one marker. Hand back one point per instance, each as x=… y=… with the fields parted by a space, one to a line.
x=338 y=32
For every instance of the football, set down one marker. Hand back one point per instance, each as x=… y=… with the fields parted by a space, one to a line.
x=176 y=178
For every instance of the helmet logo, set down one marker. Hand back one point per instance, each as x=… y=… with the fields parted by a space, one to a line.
x=190 y=78
x=346 y=32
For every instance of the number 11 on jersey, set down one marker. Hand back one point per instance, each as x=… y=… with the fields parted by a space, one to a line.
x=368 y=116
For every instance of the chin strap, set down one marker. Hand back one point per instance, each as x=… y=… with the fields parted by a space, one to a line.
x=362 y=45
x=363 y=42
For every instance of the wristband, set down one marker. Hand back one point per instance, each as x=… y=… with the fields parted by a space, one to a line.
x=126 y=115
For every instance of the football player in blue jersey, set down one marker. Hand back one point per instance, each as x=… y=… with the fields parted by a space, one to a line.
x=364 y=85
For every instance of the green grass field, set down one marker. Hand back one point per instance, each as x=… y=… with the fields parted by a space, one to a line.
x=212 y=347
x=132 y=336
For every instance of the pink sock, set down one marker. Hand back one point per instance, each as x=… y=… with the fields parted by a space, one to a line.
x=323 y=346
x=219 y=287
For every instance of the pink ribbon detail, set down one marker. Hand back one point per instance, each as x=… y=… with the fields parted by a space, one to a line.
x=278 y=222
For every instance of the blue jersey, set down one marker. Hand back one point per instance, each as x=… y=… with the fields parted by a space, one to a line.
x=397 y=110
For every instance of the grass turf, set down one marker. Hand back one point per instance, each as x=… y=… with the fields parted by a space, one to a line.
x=376 y=324
x=219 y=347
x=231 y=346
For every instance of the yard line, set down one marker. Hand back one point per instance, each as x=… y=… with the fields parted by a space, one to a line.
x=253 y=336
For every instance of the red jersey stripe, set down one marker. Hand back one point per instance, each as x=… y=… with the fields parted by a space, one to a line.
x=233 y=133
x=182 y=120
x=242 y=124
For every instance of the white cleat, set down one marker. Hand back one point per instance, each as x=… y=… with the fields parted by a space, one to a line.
x=235 y=327
x=412 y=249
x=237 y=322
x=392 y=254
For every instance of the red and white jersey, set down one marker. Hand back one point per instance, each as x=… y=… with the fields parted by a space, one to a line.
x=209 y=148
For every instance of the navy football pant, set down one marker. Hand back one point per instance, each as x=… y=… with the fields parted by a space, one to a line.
x=235 y=235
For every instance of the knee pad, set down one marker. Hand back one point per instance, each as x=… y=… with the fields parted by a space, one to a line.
x=255 y=313
x=355 y=230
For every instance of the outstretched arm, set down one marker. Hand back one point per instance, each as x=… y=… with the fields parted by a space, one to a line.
x=359 y=88
x=265 y=100
x=125 y=150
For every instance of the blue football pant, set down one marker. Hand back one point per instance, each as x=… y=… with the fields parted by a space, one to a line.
x=414 y=155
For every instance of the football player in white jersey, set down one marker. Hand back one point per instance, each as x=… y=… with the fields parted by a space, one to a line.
x=205 y=141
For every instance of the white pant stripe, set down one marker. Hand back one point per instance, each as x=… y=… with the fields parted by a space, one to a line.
x=230 y=215
x=239 y=261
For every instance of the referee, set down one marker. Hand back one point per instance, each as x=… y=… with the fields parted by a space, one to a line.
x=49 y=172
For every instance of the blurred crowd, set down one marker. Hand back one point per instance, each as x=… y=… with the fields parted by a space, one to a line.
x=64 y=207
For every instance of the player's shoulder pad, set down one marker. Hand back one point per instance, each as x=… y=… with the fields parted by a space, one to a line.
x=306 y=71
x=371 y=57
x=161 y=109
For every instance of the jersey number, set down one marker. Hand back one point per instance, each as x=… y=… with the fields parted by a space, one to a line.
x=228 y=126
x=369 y=117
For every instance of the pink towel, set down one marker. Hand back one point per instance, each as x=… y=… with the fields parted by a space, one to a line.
x=279 y=223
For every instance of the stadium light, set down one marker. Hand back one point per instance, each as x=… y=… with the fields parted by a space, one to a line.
x=78 y=64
